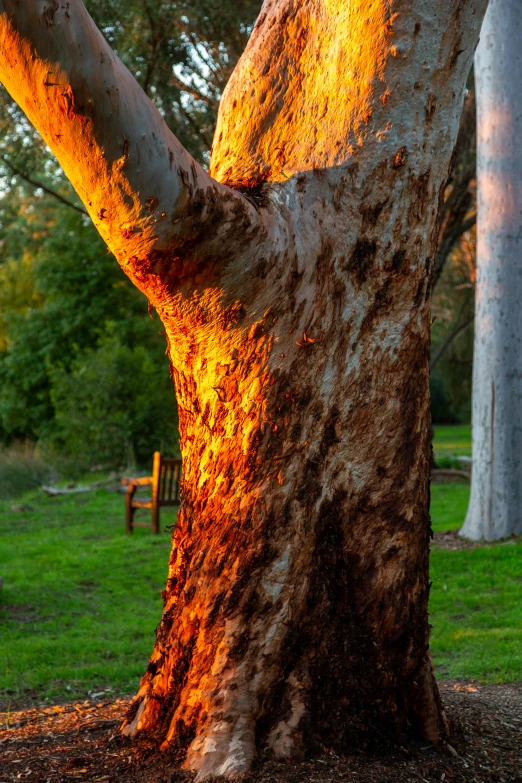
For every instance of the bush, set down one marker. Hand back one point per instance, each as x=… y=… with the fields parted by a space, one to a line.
x=22 y=467
x=113 y=410
x=442 y=410
x=61 y=295
x=449 y=463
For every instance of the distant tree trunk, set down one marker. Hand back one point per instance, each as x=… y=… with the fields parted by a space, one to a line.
x=495 y=508
x=294 y=287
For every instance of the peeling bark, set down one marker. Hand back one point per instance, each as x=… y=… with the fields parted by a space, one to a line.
x=296 y=307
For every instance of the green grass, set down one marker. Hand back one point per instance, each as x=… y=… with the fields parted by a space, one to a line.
x=449 y=503
x=476 y=613
x=475 y=604
x=81 y=600
x=452 y=441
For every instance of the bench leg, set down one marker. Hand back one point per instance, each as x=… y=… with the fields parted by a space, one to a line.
x=155 y=519
x=129 y=511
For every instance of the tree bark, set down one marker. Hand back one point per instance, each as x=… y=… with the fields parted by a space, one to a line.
x=495 y=508
x=295 y=297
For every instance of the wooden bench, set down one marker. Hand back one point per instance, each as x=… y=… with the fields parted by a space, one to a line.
x=165 y=487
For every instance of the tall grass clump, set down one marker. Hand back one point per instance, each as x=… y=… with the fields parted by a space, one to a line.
x=22 y=467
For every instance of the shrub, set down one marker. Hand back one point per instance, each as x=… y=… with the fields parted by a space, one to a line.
x=442 y=409
x=449 y=463
x=22 y=467
x=113 y=409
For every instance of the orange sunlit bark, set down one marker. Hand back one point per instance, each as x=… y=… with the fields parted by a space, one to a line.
x=336 y=53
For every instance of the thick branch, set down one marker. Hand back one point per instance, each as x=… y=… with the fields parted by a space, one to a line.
x=148 y=198
x=387 y=63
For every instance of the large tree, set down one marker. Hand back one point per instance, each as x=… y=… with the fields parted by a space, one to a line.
x=165 y=45
x=294 y=285
x=495 y=508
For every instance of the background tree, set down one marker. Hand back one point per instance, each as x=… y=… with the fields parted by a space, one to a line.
x=61 y=297
x=452 y=335
x=63 y=301
x=294 y=287
x=495 y=508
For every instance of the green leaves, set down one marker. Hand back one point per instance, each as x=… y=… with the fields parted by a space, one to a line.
x=114 y=408
x=73 y=325
x=182 y=54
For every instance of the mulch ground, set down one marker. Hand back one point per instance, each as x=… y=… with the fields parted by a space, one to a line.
x=450 y=541
x=81 y=742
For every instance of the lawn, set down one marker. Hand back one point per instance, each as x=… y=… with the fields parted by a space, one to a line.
x=476 y=599
x=449 y=503
x=452 y=441
x=80 y=600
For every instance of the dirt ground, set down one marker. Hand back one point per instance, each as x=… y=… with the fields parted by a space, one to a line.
x=450 y=541
x=81 y=742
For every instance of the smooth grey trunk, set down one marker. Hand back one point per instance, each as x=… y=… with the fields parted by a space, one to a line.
x=495 y=509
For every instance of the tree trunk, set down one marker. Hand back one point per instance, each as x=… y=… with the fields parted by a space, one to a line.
x=495 y=508
x=295 y=299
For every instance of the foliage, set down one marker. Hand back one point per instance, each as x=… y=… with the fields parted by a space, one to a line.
x=454 y=280
x=442 y=409
x=182 y=54
x=63 y=299
x=452 y=309
x=82 y=617
x=58 y=290
x=113 y=409
x=459 y=212
x=449 y=463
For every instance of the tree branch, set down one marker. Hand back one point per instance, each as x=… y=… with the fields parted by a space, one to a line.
x=459 y=327
x=468 y=224
x=36 y=184
x=454 y=221
x=325 y=117
x=160 y=213
x=182 y=87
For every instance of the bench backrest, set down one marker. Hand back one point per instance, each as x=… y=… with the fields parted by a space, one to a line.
x=166 y=478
